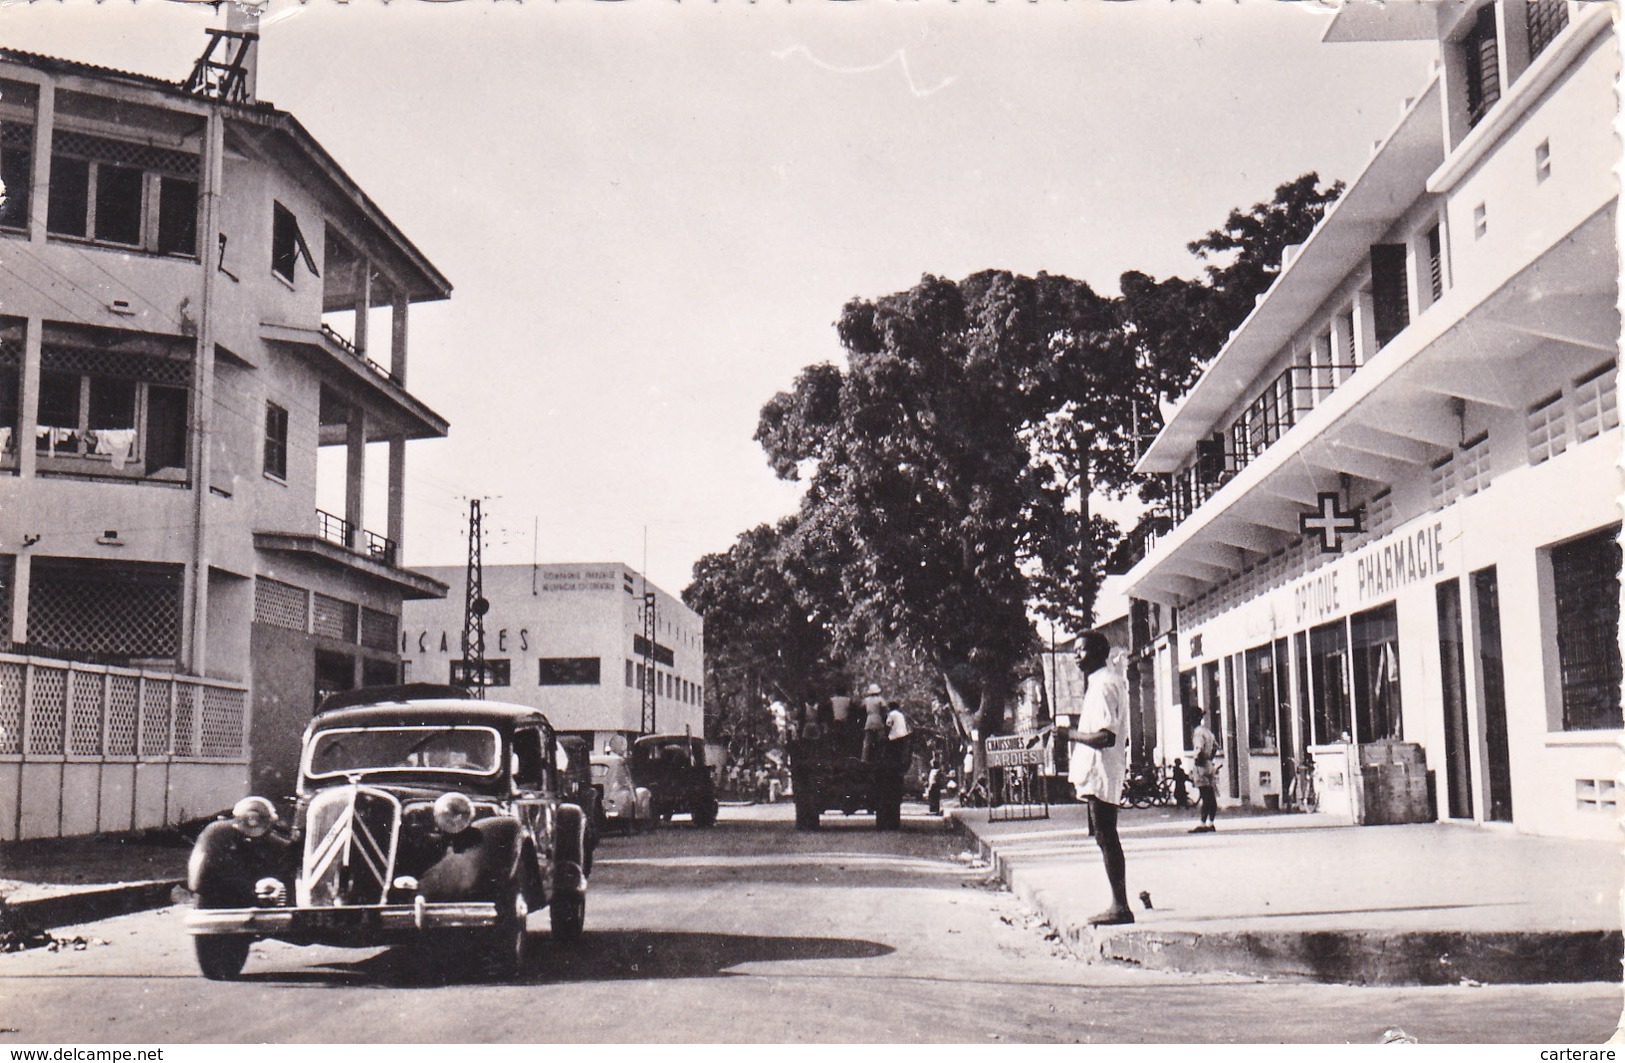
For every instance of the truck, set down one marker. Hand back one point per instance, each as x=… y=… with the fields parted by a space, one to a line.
x=828 y=774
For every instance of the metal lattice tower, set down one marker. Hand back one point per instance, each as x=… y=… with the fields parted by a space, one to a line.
x=648 y=722
x=474 y=609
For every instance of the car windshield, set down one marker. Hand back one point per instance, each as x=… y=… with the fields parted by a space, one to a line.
x=342 y=751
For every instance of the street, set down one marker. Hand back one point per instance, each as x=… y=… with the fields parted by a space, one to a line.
x=749 y=932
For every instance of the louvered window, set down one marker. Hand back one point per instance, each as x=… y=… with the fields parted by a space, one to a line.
x=1435 y=264
x=1545 y=19
x=1585 y=581
x=1390 y=298
x=1483 y=65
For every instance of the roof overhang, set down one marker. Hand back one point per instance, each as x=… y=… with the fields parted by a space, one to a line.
x=1391 y=20
x=412 y=585
x=1390 y=184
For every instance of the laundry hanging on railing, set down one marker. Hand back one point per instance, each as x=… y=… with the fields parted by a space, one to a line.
x=116 y=443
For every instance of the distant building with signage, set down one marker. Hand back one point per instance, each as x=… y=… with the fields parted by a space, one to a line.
x=1391 y=542
x=569 y=640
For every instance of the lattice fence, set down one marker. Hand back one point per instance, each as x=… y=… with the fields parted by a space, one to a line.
x=11 y=708
x=85 y=721
x=52 y=708
x=123 y=692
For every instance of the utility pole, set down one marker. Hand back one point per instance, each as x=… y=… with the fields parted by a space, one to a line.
x=474 y=609
x=648 y=721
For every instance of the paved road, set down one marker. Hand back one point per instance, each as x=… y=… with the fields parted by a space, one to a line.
x=748 y=932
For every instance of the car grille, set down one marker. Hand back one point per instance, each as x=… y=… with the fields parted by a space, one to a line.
x=350 y=842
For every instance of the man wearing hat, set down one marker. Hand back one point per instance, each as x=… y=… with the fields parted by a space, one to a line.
x=874 y=722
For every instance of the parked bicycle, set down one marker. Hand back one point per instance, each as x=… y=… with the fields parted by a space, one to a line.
x=1147 y=785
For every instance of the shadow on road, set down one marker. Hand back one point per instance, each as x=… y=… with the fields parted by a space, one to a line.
x=602 y=956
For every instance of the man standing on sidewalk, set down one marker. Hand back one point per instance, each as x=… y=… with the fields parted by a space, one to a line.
x=1099 y=762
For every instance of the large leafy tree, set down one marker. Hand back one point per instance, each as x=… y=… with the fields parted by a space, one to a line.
x=949 y=467
x=924 y=460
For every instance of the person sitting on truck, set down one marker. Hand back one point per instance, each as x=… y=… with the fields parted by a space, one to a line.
x=899 y=736
x=874 y=722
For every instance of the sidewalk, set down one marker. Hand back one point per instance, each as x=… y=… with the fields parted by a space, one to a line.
x=1303 y=896
x=56 y=882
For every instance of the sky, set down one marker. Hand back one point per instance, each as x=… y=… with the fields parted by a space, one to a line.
x=652 y=211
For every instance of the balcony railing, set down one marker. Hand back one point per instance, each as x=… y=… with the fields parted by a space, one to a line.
x=353 y=351
x=340 y=532
x=1281 y=405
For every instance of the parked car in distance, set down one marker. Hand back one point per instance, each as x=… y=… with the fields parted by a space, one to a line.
x=422 y=816
x=625 y=804
x=674 y=770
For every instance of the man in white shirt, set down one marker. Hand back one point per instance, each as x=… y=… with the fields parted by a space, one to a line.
x=1099 y=762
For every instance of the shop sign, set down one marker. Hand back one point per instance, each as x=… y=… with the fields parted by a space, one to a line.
x=1399 y=561
x=1014 y=751
x=1330 y=523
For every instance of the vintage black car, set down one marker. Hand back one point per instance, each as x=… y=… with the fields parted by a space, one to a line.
x=418 y=819
x=673 y=769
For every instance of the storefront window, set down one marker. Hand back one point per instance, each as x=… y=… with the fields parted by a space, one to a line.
x=1374 y=638
x=1585 y=579
x=1328 y=669
x=1261 y=700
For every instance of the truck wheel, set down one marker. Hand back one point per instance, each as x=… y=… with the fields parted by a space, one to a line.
x=706 y=814
x=568 y=915
x=221 y=956
x=806 y=815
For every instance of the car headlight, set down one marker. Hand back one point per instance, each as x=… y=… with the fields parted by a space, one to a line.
x=453 y=812
x=253 y=816
x=609 y=804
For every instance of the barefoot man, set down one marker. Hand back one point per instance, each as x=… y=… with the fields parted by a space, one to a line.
x=1099 y=762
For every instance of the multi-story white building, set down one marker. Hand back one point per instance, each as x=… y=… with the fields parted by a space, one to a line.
x=187 y=283
x=570 y=640
x=1396 y=490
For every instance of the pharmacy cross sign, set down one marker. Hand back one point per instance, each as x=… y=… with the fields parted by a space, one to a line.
x=1331 y=522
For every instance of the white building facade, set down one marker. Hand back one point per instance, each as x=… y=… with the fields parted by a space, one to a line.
x=1394 y=493
x=570 y=640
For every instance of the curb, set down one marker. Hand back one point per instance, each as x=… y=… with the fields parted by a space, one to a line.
x=88 y=905
x=1356 y=957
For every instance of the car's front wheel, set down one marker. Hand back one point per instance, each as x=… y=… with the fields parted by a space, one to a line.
x=221 y=956
x=508 y=946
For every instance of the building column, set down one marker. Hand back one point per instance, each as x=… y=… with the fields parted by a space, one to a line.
x=355 y=474
x=397 y=494
x=22 y=571
x=363 y=303
x=28 y=414
x=194 y=649
x=1364 y=322
x=397 y=338
x=39 y=202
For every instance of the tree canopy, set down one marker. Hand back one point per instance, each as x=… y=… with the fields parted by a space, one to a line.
x=949 y=464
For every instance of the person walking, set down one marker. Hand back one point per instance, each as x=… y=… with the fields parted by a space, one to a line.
x=1099 y=762
x=1205 y=775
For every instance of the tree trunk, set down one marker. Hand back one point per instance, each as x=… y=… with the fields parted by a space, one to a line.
x=968 y=719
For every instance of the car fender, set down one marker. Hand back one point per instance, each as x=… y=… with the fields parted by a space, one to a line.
x=569 y=850
x=226 y=863
x=477 y=864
